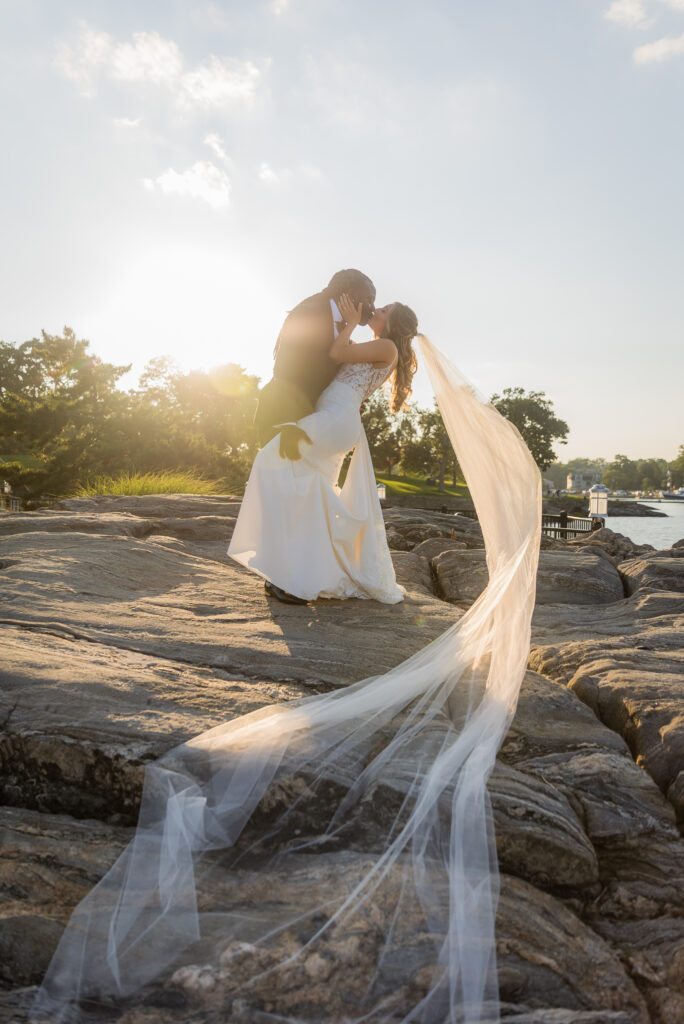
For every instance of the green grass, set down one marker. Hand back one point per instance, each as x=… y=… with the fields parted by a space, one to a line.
x=416 y=485
x=25 y=459
x=179 y=482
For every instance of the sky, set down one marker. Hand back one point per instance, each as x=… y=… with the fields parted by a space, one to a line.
x=176 y=175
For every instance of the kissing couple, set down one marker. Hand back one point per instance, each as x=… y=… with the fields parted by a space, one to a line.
x=305 y=535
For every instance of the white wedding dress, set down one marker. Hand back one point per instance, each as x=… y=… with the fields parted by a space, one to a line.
x=299 y=530
x=273 y=803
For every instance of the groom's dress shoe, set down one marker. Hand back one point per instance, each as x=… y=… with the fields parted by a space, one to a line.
x=282 y=595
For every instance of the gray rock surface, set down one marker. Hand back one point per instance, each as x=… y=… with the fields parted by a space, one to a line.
x=564 y=577
x=125 y=629
x=406 y=528
x=626 y=662
x=184 y=600
x=656 y=573
x=612 y=543
x=81 y=719
x=48 y=863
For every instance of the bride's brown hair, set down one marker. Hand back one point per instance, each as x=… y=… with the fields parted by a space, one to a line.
x=401 y=328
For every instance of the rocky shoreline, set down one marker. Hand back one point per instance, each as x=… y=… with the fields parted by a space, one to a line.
x=574 y=506
x=125 y=629
x=616 y=507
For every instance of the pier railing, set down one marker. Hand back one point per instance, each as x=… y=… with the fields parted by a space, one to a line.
x=561 y=526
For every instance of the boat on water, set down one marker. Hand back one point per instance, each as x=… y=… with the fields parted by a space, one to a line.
x=673 y=495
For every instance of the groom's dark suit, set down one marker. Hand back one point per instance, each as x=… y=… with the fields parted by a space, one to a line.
x=303 y=367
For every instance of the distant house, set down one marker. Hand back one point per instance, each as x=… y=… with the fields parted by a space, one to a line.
x=580 y=481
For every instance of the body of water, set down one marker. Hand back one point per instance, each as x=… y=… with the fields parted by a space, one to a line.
x=661 y=533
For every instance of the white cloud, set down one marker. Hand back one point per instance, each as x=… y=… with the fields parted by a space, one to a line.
x=661 y=50
x=630 y=13
x=216 y=83
x=204 y=180
x=216 y=146
x=267 y=174
x=149 y=58
x=676 y=5
x=307 y=171
x=127 y=122
x=79 y=62
x=279 y=6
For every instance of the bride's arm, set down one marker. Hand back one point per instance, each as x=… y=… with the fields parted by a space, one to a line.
x=343 y=350
x=380 y=350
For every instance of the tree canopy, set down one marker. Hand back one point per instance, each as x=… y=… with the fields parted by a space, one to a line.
x=414 y=439
x=677 y=468
x=623 y=474
x=63 y=418
x=533 y=414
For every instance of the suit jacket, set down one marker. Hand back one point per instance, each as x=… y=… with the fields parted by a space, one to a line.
x=303 y=367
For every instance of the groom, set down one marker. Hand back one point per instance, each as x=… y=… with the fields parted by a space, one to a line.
x=303 y=367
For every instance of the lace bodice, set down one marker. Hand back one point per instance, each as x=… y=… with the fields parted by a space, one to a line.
x=364 y=378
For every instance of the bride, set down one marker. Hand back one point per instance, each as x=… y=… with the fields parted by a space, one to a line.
x=296 y=528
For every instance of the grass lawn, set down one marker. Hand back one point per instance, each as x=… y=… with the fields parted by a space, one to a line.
x=573 y=502
x=417 y=485
x=25 y=460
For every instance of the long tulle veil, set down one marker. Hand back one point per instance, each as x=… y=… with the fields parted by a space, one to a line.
x=280 y=797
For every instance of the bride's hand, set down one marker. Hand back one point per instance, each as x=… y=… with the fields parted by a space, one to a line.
x=349 y=311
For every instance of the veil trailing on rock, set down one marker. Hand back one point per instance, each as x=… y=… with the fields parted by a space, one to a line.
x=341 y=843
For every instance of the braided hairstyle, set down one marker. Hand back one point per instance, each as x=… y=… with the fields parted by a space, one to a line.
x=401 y=328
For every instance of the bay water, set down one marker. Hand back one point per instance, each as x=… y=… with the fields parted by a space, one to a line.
x=661 y=533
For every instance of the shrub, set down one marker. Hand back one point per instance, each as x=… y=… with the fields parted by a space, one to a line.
x=166 y=482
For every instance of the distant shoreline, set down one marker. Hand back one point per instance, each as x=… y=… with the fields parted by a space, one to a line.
x=579 y=506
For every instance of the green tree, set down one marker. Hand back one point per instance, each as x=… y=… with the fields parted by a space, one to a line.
x=202 y=420
x=622 y=474
x=677 y=468
x=533 y=414
x=383 y=430
x=63 y=418
x=652 y=474
x=427 y=448
x=60 y=405
x=417 y=451
x=442 y=452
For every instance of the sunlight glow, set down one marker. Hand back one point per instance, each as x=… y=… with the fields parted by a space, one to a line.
x=191 y=304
